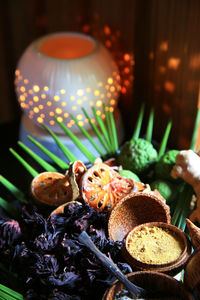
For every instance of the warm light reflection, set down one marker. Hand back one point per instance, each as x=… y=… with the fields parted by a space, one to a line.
x=56 y=98
x=164 y=46
x=173 y=63
x=36 y=88
x=169 y=86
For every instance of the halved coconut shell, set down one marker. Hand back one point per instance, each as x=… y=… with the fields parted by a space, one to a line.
x=135 y=209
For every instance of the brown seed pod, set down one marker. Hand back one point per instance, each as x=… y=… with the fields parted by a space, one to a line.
x=102 y=187
x=194 y=232
x=51 y=188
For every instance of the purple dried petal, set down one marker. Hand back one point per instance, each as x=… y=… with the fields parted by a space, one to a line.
x=10 y=231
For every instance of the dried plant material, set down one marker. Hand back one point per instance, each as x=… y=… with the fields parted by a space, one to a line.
x=76 y=171
x=194 y=232
x=51 y=188
x=154 y=245
x=102 y=187
x=188 y=168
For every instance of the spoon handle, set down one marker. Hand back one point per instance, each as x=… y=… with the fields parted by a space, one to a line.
x=133 y=289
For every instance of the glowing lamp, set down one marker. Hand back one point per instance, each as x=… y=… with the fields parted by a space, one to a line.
x=59 y=74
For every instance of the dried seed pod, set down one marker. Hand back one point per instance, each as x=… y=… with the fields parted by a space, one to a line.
x=194 y=232
x=51 y=188
x=102 y=187
x=76 y=171
x=192 y=271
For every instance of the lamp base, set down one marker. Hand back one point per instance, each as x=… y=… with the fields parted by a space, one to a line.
x=28 y=127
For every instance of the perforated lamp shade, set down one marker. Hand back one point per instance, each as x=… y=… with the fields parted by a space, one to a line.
x=60 y=73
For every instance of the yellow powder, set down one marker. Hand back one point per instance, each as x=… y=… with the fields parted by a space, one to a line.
x=154 y=245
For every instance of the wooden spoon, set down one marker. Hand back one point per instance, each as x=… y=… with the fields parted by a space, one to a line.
x=134 y=290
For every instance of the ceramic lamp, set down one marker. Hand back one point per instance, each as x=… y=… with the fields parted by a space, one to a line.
x=58 y=75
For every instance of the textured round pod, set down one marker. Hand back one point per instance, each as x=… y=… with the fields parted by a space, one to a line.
x=51 y=188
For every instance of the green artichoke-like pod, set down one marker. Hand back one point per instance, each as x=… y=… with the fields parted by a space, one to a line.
x=137 y=155
x=129 y=175
x=166 y=188
x=165 y=164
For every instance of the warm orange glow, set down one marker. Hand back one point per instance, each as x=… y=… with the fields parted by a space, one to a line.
x=43 y=96
x=42 y=116
x=35 y=98
x=126 y=70
x=30 y=103
x=36 y=110
x=22 y=89
x=52 y=122
x=194 y=62
x=99 y=103
x=107 y=30
x=49 y=103
x=17 y=72
x=30 y=92
x=100 y=84
x=85 y=98
x=162 y=69
x=72 y=98
x=96 y=92
x=56 y=98
x=66 y=47
x=88 y=90
x=112 y=102
x=166 y=108
x=60 y=119
x=41 y=106
x=46 y=88
x=91 y=103
x=66 y=115
x=169 y=86
x=63 y=104
x=151 y=55
x=112 y=88
x=108 y=43
x=58 y=110
x=74 y=108
x=79 y=117
x=110 y=80
x=164 y=46
x=36 y=88
x=51 y=113
x=98 y=112
x=22 y=98
x=81 y=123
x=173 y=63
x=40 y=120
x=26 y=81
x=126 y=57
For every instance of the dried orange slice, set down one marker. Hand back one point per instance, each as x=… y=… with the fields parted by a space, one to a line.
x=102 y=187
x=52 y=188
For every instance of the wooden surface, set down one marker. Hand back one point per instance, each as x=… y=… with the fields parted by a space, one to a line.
x=162 y=35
